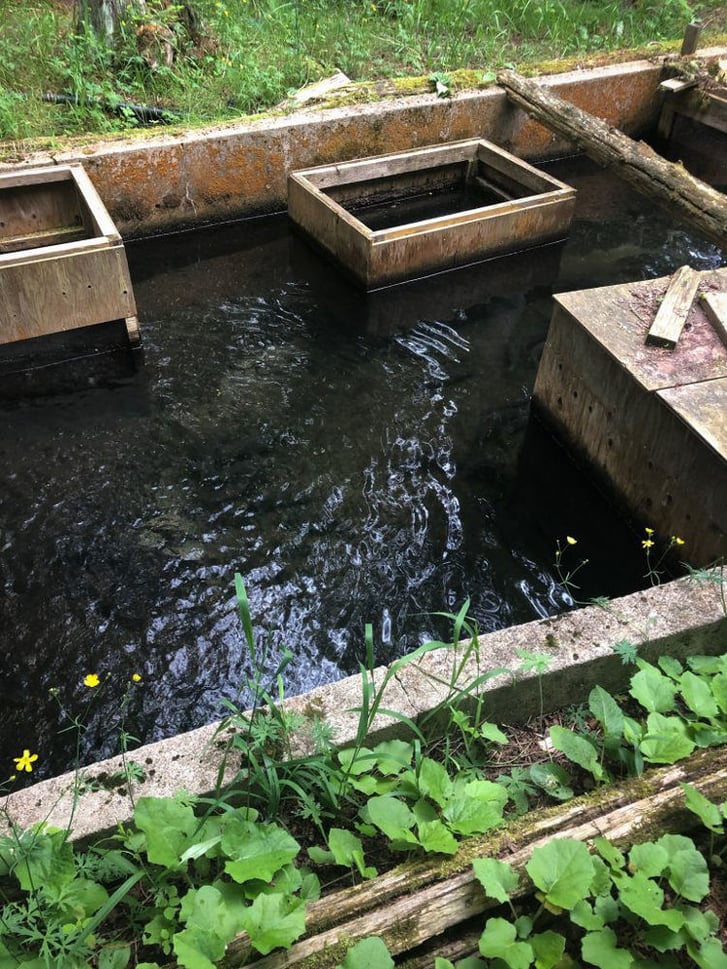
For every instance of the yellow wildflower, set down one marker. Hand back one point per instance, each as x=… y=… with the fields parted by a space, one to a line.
x=677 y=540
x=647 y=543
x=91 y=680
x=571 y=540
x=25 y=762
x=649 y=531
x=136 y=677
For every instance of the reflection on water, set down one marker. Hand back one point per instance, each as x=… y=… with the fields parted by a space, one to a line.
x=357 y=460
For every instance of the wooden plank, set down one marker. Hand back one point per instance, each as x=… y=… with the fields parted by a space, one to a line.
x=50 y=295
x=103 y=221
x=707 y=107
x=674 y=85
x=691 y=39
x=715 y=308
x=672 y=314
x=429 y=897
x=42 y=239
x=29 y=256
x=34 y=176
x=703 y=408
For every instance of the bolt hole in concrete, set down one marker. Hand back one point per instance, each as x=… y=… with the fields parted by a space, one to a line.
x=357 y=460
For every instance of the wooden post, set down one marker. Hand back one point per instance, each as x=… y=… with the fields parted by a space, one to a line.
x=698 y=204
x=691 y=39
x=674 y=310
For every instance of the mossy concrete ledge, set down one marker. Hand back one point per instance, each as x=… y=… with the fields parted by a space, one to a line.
x=164 y=182
x=680 y=618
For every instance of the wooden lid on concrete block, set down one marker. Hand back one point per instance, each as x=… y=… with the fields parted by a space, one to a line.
x=703 y=407
x=619 y=317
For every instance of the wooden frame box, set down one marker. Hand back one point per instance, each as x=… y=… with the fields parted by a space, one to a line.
x=402 y=216
x=62 y=261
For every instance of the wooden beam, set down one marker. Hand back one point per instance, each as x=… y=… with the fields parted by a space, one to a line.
x=674 y=309
x=715 y=307
x=418 y=900
x=691 y=39
x=698 y=204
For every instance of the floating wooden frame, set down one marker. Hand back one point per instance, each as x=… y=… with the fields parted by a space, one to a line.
x=395 y=217
x=62 y=262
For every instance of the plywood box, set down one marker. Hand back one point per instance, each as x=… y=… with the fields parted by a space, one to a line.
x=407 y=215
x=650 y=422
x=62 y=262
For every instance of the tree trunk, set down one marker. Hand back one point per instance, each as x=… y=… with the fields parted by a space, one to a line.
x=701 y=206
x=103 y=16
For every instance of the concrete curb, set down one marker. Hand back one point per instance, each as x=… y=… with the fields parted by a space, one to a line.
x=680 y=618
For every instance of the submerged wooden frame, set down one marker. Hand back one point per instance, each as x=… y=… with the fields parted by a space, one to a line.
x=533 y=209
x=62 y=260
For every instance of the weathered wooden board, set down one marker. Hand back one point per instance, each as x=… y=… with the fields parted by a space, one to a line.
x=703 y=408
x=529 y=208
x=674 y=309
x=697 y=203
x=416 y=902
x=715 y=307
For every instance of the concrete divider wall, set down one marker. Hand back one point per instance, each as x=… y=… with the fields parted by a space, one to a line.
x=171 y=181
x=680 y=618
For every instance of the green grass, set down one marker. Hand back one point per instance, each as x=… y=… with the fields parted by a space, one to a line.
x=250 y=54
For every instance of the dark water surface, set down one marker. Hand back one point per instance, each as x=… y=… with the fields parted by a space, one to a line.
x=356 y=460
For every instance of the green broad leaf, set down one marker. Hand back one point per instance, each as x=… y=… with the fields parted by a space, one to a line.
x=654 y=691
x=436 y=838
x=698 y=696
x=440 y=963
x=649 y=858
x=671 y=666
x=633 y=731
x=475 y=806
x=201 y=848
x=498 y=941
x=708 y=812
x=347 y=850
x=492 y=733
x=562 y=869
x=707 y=734
x=719 y=690
x=148 y=965
x=708 y=955
x=662 y=939
x=614 y=858
x=699 y=925
x=688 y=873
x=256 y=851
x=601 y=949
x=114 y=958
x=310 y=887
x=218 y=908
x=369 y=953
x=577 y=749
x=45 y=858
x=606 y=907
x=393 y=817
x=355 y=762
x=471 y=962
x=601 y=882
x=553 y=779
x=706 y=664
x=582 y=914
x=168 y=825
x=393 y=756
x=667 y=740
x=644 y=898
x=434 y=782
x=608 y=713
x=320 y=856
x=80 y=899
x=548 y=947
x=498 y=879
x=196 y=948
x=523 y=926
x=274 y=921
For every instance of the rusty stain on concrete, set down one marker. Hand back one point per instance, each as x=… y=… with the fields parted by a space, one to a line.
x=172 y=181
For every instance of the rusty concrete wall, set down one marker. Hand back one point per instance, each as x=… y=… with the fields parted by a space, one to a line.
x=170 y=181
